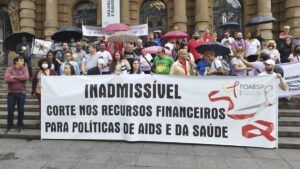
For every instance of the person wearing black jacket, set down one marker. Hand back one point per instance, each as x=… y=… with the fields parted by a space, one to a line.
x=286 y=49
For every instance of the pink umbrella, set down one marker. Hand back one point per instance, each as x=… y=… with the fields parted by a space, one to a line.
x=155 y=49
x=175 y=35
x=114 y=27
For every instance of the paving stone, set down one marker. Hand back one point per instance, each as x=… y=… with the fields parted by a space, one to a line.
x=123 y=158
x=273 y=164
x=236 y=152
x=264 y=153
x=177 y=149
x=130 y=147
x=83 y=165
x=42 y=154
x=242 y=163
x=28 y=164
x=184 y=161
x=155 y=148
x=211 y=162
x=70 y=156
x=290 y=154
x=97 y=158
x=59 y=165
x=104 y=146
x=211 y=151
x=114 y=166
x=152 y=160
x=295 y=164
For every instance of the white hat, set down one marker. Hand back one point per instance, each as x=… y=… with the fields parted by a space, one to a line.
x=270 y=62
x=101 y=61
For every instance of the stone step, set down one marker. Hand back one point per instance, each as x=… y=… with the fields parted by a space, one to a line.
x=25 y=134
x=29 y=108
x=289 y=131
x=289 y=121
x=27 y=115
x=28 y=124
x=28 y=95
x=289 y=112
x=27 y=101
x=289 y=142
x=290 y=105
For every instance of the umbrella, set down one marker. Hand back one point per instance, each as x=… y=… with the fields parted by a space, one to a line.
x=218 y=48
x=122 y=36
x=175 y=35
x=229 y=25
x=114 y=27
x=155 y=49
x=11 y=41
x=260 y=20
x=65 y=34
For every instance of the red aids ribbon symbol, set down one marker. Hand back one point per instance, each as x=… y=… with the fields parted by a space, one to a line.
x=246 y=130
x=236 y=84
x=224 y=98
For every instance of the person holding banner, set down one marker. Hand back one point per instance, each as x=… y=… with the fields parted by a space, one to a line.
x=182 y=66
x=269 y=70
x=44 y=70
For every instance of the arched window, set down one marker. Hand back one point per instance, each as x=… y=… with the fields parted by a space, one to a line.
x=227 y=11
x=85 y=12
x=154 y=12
x=5 y=27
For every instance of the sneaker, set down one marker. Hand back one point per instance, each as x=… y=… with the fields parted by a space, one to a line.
x=20 y=129
x=9 y=130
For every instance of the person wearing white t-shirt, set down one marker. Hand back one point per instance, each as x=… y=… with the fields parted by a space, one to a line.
x=269 y=70
x=254 y=47
x=216 y=64
x=106 y=56
x=90 y=60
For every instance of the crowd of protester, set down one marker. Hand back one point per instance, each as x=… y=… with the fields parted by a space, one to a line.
x=247 y=57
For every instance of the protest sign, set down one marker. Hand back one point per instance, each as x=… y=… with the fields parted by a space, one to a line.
x=110 y=12
x=223 y=111
x=139 y=30
x=292 y=78
x=41 y=47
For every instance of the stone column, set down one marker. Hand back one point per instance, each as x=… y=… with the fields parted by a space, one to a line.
x=180 y=18
x=125 y=17
x=264 y=8
x=51 y=23
x=27 y=16
x=292 y=16
x=202 y=15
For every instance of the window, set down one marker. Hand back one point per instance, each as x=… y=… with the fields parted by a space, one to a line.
x=227 y=11
x=85 y=13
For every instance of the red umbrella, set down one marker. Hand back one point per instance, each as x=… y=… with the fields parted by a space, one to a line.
x=155 y=49
x=175 y=35
x=114 y=27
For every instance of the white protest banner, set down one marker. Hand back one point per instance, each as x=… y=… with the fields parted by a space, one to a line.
x=225 y=111
x=110 y=12
x=292 y=78
x=139 y=30
x=41 y=47
x=93 y=31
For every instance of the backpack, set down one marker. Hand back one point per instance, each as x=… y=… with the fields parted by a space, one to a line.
x=225 y=65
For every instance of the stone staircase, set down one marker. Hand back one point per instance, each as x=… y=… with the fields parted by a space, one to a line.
x=289 y=122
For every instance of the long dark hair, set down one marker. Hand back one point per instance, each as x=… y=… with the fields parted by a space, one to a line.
x=295 y=50
x=114 y=62
x=71 y=67
x=131 y=70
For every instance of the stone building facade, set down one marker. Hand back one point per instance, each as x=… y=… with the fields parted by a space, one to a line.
x=44 y=17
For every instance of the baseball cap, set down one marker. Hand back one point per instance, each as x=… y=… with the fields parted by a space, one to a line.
x=270 y=62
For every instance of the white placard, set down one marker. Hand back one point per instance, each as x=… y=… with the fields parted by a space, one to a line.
x=139 y=30
x=41 y=47
x=292 y=78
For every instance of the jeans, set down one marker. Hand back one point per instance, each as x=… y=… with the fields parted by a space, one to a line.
x=12 y=100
